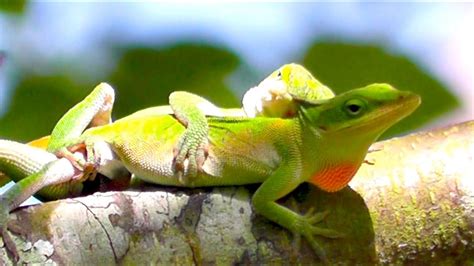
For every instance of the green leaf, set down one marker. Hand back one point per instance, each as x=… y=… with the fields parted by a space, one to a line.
x=344 y=66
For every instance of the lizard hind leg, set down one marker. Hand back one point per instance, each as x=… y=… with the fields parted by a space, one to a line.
x=308 y=222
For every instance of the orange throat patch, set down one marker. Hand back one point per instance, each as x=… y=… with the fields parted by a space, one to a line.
x=334 y=178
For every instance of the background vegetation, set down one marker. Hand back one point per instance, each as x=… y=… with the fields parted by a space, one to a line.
x=145 y=72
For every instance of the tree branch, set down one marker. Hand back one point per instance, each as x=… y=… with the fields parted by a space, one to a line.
x=419 y=208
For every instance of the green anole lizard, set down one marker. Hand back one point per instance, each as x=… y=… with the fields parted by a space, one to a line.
x=278 y=95
x=324 y=145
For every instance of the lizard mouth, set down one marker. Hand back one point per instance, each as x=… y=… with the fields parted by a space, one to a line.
x=390 y=113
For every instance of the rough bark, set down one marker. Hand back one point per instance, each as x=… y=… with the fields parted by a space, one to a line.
x=420 y=193
x=412 y=203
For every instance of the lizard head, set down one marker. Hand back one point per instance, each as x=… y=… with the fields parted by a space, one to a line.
x=348 y=124
x=365 y=112
x=299 y=83
x=275 y=96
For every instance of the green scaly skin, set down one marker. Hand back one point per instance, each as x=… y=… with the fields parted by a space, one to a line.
x=314 y=146
x=278 y=95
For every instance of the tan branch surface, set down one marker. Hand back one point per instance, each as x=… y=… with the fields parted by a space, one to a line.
x=418 y=192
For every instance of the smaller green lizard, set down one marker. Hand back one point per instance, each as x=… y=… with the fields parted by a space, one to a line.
x=278 y=95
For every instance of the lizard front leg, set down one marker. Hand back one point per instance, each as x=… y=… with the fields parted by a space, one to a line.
x=191 y=111
x=94 y=110
x=284 y=180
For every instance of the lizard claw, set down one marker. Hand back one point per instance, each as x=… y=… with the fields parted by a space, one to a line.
x=306 y=227
x=77 y=161
x=77 y=155
x=193 y=147
x=369 y=162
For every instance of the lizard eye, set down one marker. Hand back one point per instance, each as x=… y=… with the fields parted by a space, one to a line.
x=354 y=107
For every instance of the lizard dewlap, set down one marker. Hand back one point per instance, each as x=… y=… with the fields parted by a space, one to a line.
x=334 y=178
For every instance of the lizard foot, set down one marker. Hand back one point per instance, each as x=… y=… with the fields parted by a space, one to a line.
x=193 y=147
x=76 y=155
x=306 y=227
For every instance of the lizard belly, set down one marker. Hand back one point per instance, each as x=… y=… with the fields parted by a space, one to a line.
x=109 y=164
x=152 y=161
x=231 y=167
x=238 y=154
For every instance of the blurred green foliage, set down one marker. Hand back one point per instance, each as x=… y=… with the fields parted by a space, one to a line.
x=37 y=104
x=145 y=76
x=348 y=66
x=13 y=6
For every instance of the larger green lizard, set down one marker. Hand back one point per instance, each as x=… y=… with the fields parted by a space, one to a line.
x=324 y=145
